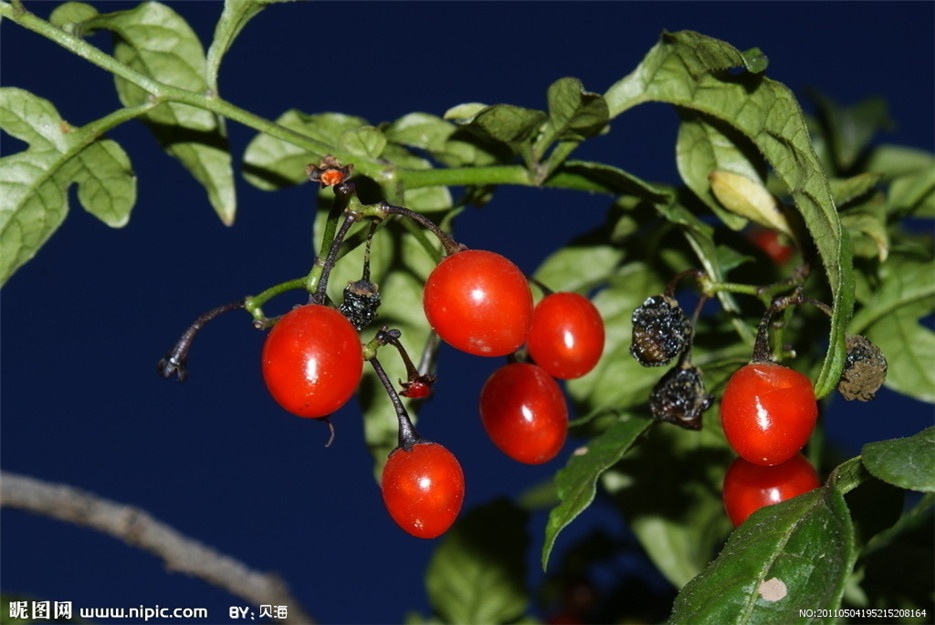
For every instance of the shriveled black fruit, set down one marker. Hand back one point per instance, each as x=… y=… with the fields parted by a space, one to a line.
x=679 y=397
x=661 y=331
x=361 y=300
x=864 y=370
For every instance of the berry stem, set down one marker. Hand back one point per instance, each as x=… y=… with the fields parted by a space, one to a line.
x=175 y=360
x=383 y=209
x=408 y=436
x=320 y=295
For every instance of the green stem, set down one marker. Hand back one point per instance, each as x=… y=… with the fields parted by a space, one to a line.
x=253 y=304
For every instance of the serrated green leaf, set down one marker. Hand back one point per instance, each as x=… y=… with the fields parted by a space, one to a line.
x=271 y=163
x=669 y=490
x=576 y=483
x=701 y=148
x=905 y=462
x=685 y=69
x=787 y=557
x=156 y=41
x=34 y=183
x=477 y=575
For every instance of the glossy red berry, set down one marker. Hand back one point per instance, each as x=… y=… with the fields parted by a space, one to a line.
x=749 y=487
x=524 y=413
x=566 y=337
x=768 y=412
x=423 y=489
x=312 y=361
x=479 y=302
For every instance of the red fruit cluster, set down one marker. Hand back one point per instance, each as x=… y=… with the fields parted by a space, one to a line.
x=480 y=302
x=768 y=413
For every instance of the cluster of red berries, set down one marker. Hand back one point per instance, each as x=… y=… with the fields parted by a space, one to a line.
x=477 y=301
x=481 y=303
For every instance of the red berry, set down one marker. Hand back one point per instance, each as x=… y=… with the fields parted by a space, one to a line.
x=312 y=361
x=524 y=413
x=479 y=302
x=768 y=412
x=771 y=243
x=423 y=489
x=566 y=337
x=748 y=487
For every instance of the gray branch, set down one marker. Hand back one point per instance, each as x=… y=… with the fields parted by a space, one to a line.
x=139 y=529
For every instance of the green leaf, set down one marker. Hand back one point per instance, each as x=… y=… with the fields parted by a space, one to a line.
x=154 y=40
x=598 y=177
x=905 y=462
x=669 y=490
x=477 y=575
x=914 y=194
x=890 y=319
x=686 y=69
x=504 y=123
x=573 y=115
x=34 y=183
x=784 y=558
x=895 y=160
x=271 y=163
x=702 y=148
x=866 y=225
x=576 y=483
x=443 y=139
x=366 y=142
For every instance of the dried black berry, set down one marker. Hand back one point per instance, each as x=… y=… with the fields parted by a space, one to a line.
x=679 y=397
x=661 y=331
x=361 y=300
x=864 y=370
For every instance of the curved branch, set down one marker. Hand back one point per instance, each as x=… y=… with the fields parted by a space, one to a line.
x=139 y=529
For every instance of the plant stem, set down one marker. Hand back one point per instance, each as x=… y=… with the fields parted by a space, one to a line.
x=408 y=436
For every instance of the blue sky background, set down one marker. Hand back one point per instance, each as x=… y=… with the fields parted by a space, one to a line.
x=84 y=322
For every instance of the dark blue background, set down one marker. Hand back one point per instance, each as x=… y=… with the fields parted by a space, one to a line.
x=84 y=322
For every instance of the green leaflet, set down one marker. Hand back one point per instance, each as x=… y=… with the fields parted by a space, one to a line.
x=577 y=482
x=34 y=182
x=687 y=69
x=904 y=462
x=154 y=40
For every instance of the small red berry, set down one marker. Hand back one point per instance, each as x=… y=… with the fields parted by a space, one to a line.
x=479 y=302
x=312 y=361
x=768 y=412
x=566 y=337
x=749 y=487
x=423 y=489
x=524 y=413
